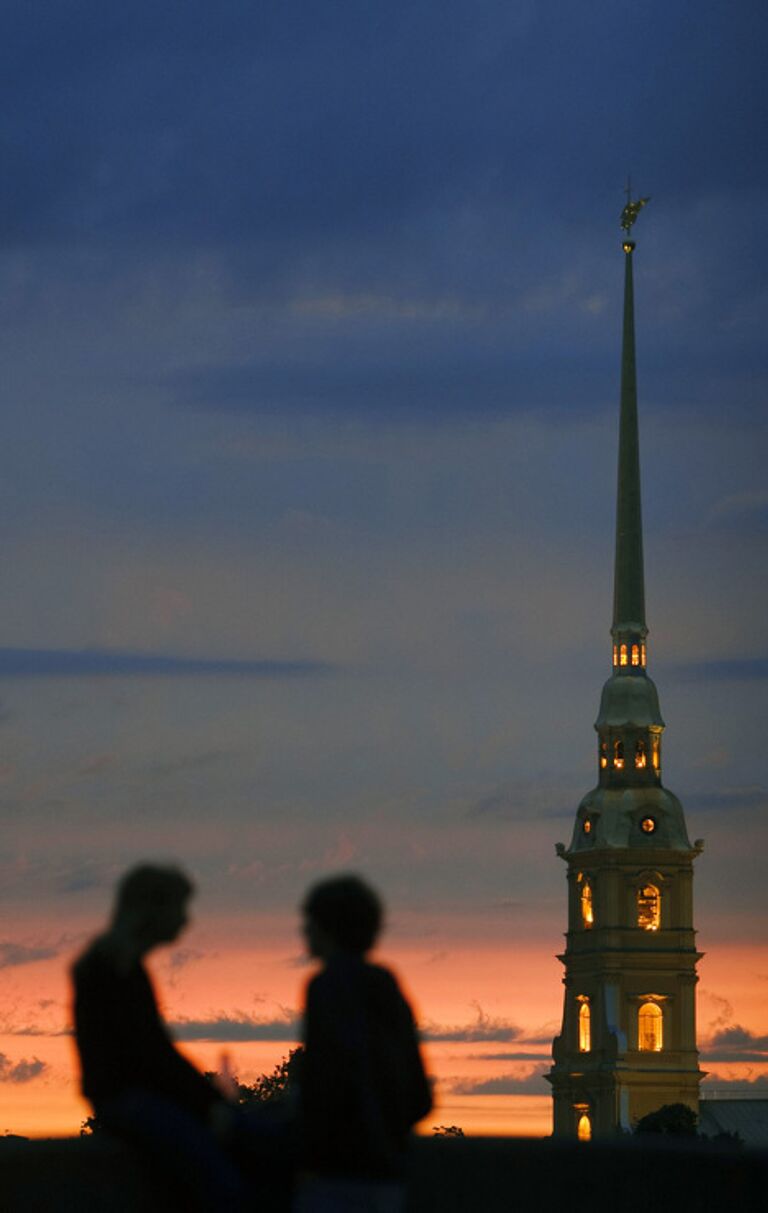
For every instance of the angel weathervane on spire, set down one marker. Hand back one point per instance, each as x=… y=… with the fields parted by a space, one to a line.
x=632 y=209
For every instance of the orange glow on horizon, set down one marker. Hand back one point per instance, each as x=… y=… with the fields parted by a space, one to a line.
x=498 y=997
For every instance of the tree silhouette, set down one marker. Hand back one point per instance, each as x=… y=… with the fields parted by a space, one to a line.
x=671 y=1119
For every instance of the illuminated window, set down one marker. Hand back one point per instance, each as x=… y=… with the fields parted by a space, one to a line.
x=618 y=755
x=648 y=825
x=649 y=908
x=635 y=654
x=649 y=1028
x=584 y=1128
x=640 y=756
x=655 y=751
x=587 y=908
x=615 y=654
x=642 y=655
x=603 y=754
x=585 y=1025
x=587 y=826
x=623 y=655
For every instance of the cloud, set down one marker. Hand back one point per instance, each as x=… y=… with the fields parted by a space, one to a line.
x=14 y=954
x=740 y=507
x=90 y=663
x=523 y=801
x=483 y=1028
x=239 y=1027
x=505 y=1084
x=747 y=669
x=20 y=1071
x=716 y=1084
x=168 y=768
x=180 y=959
x=753 y=796
x=510 y=1056
x=735 y=1044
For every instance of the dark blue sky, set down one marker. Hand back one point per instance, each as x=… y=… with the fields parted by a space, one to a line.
x=309 y=322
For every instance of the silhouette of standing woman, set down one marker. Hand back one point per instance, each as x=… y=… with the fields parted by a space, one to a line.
x=362 y=1085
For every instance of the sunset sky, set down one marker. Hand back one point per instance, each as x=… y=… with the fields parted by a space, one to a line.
x=310 y=322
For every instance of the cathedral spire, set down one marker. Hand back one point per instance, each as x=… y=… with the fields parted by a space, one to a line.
x=628 y=587
x=628 y=1040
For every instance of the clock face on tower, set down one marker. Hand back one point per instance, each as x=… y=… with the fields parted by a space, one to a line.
x=648 y=825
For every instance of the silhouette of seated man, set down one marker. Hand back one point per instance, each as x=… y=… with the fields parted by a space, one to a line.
x=362 y=1084
x=140 y=1086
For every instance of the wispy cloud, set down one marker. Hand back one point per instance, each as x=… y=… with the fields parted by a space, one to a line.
x=735 y=1044
x=239 y=1027
x=14 y=954
x=514 y=1056
x=737 y=507
x=504 y=1084
x=747 y=797
x=747 y=669
x=20 y=1071
x=91 y=663
x=484 y=1027
x=516 y=801
x=716 y=1084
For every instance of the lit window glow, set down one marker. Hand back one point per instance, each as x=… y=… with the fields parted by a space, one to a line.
x=587 y=907
x=648 y=825
x=649 y=908
x=603 y=754
x=635 y=654
x=618 y=755
x=587 y=826
x=642 y=655
x=650 y=1022
x=623 y=655
x=585 y=1025
x=640 y=756
x=615 y=654
x=584 y=1128
x=655 y=751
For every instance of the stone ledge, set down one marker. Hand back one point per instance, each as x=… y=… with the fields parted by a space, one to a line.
x=461 y=1175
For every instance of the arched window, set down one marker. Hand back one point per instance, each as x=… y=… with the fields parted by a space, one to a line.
x=650 y=1023
x=618 y=755
x=584 y=1127
x=603 y=755
x=615 y=654
x=635 y=654
x=656 y=751
x=585 y=1025
x=642 y=655
x=641 y=757
x=623 y=655
x=587 y=908
x=649 y=907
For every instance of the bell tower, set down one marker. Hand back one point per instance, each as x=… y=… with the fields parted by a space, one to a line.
x=628 y=1040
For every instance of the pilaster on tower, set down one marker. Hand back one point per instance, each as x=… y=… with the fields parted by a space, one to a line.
x=628 y=1040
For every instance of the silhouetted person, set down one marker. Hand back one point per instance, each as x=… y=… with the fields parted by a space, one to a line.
x=139 y=1085
x=362 y=1085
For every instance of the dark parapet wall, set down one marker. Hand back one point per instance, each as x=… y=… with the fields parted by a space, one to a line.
x=448 y=1175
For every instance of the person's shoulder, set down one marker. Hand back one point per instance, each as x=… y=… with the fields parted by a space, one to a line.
x=91 y=957
x=383 y=982
x=97 y=960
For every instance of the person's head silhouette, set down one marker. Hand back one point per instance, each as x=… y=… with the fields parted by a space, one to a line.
x=151 y=905
x=342 y=914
